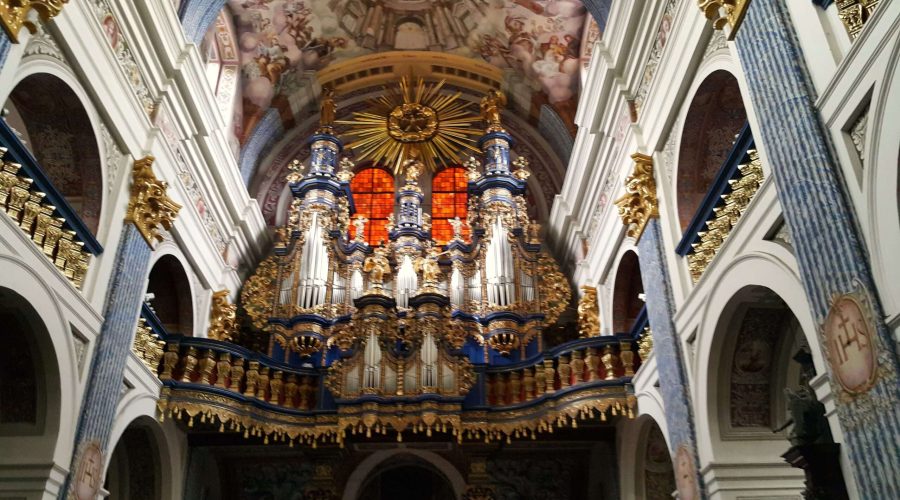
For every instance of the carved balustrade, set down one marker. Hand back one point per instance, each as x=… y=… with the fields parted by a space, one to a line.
x=729 y=196
x=31 y=201
x=595 y=361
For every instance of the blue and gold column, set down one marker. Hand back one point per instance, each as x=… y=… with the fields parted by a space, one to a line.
x=148 y=209
x=833 y=262
x=640 y=213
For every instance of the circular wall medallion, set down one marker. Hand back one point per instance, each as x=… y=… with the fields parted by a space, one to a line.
x=849 y=340
x=88 y=474
x=686 y=474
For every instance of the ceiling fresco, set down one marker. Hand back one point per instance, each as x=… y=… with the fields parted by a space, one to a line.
x=282 y=43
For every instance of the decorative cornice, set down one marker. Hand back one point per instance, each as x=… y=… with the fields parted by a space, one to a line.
x=150 y=206
x=14 y=14
x=221 y=317
x=639 y=204
x=725 y=15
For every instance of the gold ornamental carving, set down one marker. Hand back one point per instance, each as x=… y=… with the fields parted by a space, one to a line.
x=725 y=15
x=147 y=346
x=258 y=294
x=413 y=120
x=855 y=14
x=150 y=206
x=588 y=313
x=555 y=290
x=639 y=204
x=14 y=14
x=222 y=321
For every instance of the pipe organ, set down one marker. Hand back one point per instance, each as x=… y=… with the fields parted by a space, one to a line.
x=407 y=317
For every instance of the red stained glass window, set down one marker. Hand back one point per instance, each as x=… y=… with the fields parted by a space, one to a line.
x=373 y=195
x=448 y=200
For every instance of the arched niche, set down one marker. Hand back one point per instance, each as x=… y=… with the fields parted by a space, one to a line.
x=714 y=118
x=386 y=460
x=54 y=125
x=30 y=398
x=654 y=475
x=134 y=469
x=761 y=336
x=627 y=289
x=407 y=478
x=172 y=300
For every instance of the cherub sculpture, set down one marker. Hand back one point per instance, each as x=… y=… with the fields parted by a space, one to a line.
x=377 y=265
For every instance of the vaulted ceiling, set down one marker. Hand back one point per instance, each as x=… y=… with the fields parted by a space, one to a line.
x=535 y=50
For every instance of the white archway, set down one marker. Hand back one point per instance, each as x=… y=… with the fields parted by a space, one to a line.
x=29 y=455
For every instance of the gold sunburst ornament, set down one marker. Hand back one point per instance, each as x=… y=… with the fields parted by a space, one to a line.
x=414 y=122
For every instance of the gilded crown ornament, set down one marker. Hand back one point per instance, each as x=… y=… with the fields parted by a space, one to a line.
x=639 y=204
x=150 y=207
x=413 y=119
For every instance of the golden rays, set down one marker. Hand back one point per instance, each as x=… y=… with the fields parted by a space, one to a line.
x=414 y=122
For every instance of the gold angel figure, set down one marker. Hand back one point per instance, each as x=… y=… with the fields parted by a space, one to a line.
x=377 y=265
x=327 y=110
x=491 y=106
x=429 y=267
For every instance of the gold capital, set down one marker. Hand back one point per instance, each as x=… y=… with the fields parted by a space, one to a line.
x=725 y=14
x=149 y=206
x=639 y=204
x=14 y=14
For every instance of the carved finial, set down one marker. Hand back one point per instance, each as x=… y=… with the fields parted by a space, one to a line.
x=14 y=14
x=327 y=111
x=588 y=313
x=221 y=317
x=149 y=206
x=725 y=15
x=639 y=204
x=491 y=106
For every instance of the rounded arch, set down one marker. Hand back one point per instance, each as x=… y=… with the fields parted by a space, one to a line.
x=373 y=196
x=30 y=447
x=645 y=459
x=714 y=117
x=53 y=117
x=364 y=470
x=882 y=185
x=628 y=288
x=134 y=468
x=729 y=297
x=172 y=297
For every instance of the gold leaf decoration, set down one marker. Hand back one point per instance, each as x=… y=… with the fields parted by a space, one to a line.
x=413 y=121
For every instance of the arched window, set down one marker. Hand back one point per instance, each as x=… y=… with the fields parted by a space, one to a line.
x=373 y=195
x=448 y=200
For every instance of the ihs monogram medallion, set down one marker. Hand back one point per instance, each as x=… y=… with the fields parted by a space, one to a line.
x=850 y=343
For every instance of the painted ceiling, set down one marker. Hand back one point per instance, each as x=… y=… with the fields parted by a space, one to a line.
x=282 y=43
